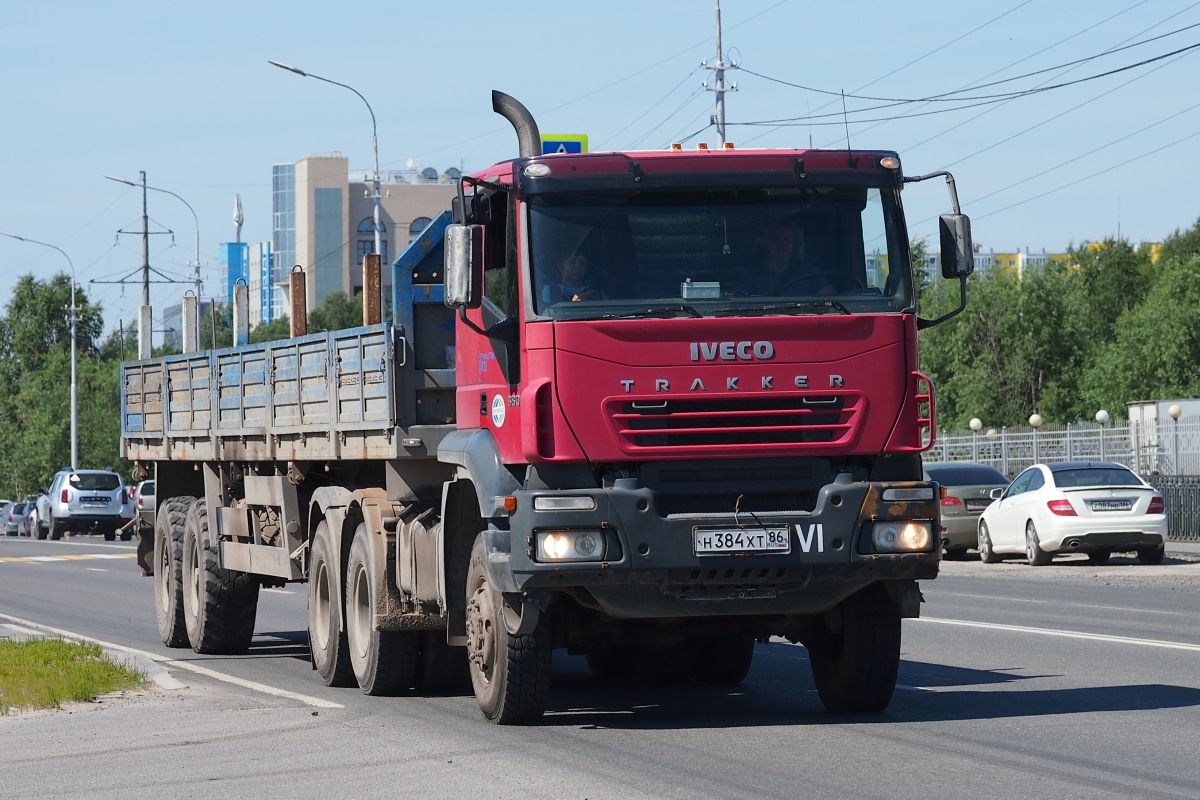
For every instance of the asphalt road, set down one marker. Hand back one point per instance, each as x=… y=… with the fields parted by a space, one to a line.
x=1067 y=681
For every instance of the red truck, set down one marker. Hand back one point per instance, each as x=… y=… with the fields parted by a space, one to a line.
x=648 y=407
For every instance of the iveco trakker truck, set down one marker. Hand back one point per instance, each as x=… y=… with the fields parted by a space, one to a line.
x=648 y=407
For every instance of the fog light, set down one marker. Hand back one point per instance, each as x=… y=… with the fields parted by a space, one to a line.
x=570 y=546
x=901 y=537
x=553 y=503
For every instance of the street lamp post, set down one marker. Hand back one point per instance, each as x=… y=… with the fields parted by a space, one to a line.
x=374 y=149
x=976 y=426
x=1175 y=412
x=1102 y=418
x=1036 y=421
x=73 y=319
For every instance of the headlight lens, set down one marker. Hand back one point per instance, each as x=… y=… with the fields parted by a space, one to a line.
x=556 y=503
x=901 y=537
x=570 y=546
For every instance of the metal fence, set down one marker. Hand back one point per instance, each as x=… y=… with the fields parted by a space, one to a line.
x=1182 y=496
x=1166 y=454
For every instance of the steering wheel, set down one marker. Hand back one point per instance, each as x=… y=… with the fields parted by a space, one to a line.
x=840 y=282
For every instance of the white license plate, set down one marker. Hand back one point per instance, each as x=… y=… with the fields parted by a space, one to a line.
x=1112 y=505
x=723 y=541
x=95 y=505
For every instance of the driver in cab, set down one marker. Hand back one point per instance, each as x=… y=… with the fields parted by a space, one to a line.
x=786 y=267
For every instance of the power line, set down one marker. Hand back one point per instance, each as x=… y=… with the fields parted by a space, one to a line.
x=1105 y=171
x=794 y=121
x=678 y=108
x=947 y=97
x=915 y=60
x=651 y=108
x=1124 y=41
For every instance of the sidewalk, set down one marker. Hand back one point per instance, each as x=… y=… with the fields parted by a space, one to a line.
x=1190 y=548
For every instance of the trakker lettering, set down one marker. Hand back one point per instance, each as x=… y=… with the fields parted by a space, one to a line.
x=731 y=383
x=732 y=351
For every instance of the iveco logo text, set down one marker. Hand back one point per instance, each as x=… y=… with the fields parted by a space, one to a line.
x=732 y=351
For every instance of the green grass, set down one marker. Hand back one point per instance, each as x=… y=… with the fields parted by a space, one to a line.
x=45 y=673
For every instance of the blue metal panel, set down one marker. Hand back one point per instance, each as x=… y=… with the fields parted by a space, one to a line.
x=423 y=255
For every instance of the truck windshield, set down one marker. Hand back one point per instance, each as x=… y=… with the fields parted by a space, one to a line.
x=769 y=250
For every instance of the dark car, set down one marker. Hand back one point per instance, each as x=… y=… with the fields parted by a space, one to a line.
x=967 y=492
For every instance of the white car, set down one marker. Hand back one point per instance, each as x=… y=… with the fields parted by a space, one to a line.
x=1091 y=507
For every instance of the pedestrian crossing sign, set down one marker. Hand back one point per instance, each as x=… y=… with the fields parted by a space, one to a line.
x=564 y=143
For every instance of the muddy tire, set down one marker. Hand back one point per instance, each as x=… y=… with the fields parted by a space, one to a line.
x=854 y=664
x=384 y=662
x=510 y=674
x=219 y=605
x=168 y=569
x=326 y=635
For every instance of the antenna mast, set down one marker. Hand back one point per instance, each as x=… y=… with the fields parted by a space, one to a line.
x=719 y=89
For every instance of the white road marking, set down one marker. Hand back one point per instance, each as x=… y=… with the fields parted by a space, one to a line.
x=190 y=666
x=96 y=569
x=279 y=591
x=64 y=542
x=1072 y=605
x=1096 y=637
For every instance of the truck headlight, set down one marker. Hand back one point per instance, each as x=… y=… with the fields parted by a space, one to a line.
x=901 y=536
x=560 y=503
x=570 y=546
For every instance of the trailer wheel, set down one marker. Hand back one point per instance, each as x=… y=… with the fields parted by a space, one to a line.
x=168 y=559
x=510 y=674
x=724 y=660
x=441 y=668
x=219 y=605
x=855 y=663
x=326 y=636
x=385 y=662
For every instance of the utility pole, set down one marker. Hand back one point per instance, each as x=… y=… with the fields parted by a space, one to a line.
x=145 y=318
x=719 y=89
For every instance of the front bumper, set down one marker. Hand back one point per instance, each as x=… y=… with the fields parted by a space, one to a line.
x=651 y=569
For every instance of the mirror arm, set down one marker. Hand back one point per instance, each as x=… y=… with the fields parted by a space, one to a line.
x=462 y=314
x=922 y=324
x=949 y=184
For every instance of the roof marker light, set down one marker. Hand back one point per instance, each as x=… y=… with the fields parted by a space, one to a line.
x=676 y=146
x=702 y=145
x=537 y=170
x=729 y=145
x=889 y=162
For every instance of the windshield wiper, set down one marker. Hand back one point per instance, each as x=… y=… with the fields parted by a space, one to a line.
x=824 y=305
x=663 y=311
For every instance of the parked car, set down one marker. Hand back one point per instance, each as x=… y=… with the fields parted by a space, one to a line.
x=144 y=499
x=967 y=492
x=1091 y=507
x=6 y=516
x=27 y=525
x=85 y=500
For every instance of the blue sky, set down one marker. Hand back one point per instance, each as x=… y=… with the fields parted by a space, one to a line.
x=184 y=92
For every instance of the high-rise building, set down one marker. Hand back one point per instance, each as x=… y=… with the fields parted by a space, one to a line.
x=234 y=264
x=324 y=219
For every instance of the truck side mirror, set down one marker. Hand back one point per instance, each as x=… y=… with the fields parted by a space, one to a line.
x=464 y=266
x=958 y=256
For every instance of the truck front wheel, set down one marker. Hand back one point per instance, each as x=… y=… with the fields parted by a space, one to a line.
x=856 y=656
x=509 y=673
x=326 y=635
x=168 y=557
x=385 y=662
x=724 y=660
x=219 y=605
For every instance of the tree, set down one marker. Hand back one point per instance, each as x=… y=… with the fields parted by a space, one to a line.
x=271 y=331
x=336 y=312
